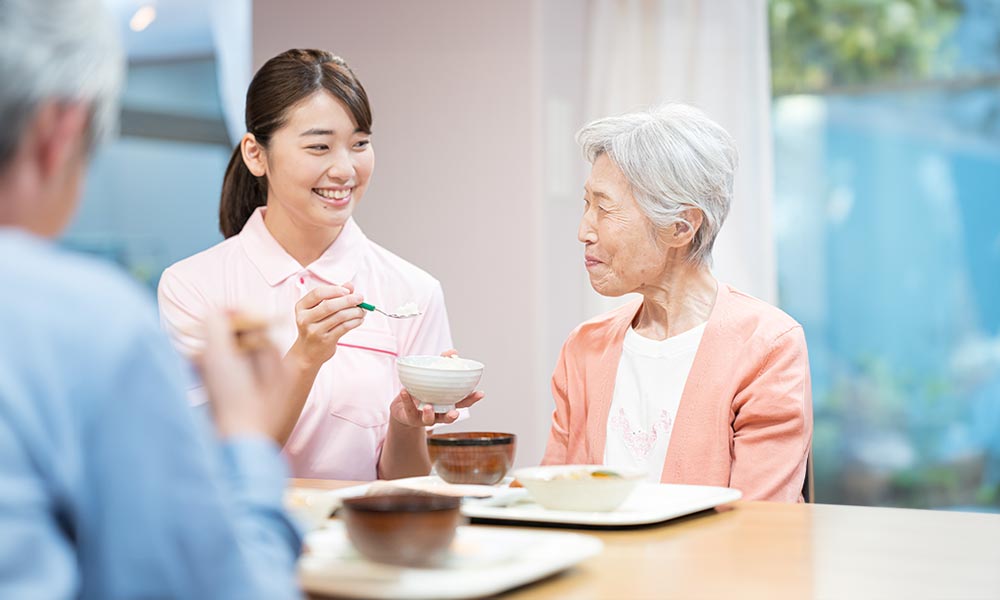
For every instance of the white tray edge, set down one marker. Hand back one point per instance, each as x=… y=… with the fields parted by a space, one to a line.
x=572 y=549
x=512 y=514
x=719 y=496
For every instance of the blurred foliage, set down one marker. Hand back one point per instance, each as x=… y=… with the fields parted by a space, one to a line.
x=821 y=44
x=880 y=438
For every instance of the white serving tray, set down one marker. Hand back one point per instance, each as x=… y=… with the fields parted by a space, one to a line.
x=484 y=561
x=649 y=503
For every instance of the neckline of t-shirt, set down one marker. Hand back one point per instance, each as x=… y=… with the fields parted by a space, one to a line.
x=672 y=346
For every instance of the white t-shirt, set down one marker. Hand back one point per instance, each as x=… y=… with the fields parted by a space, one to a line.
x=648 y=387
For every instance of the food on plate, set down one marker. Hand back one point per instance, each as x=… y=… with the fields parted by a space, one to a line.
x=586 y=474
x=451 y=363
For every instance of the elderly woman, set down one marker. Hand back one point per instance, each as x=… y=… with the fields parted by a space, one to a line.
x=695 y=382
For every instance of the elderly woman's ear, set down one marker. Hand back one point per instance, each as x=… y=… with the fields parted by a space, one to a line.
x=682 y=232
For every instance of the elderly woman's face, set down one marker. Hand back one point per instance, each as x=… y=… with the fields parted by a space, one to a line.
x=621 y=253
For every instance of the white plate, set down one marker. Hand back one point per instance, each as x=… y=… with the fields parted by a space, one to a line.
x=499 y=493
x=311 y=507
x=484 y=561
x=649 y=503
x=436 y=485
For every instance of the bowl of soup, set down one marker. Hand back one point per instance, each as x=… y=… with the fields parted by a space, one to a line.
x=472 y=457
x=589 y=488
x=403 y=529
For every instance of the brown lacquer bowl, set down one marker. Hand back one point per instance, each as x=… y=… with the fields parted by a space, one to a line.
x=473 y=457
x=408 y=530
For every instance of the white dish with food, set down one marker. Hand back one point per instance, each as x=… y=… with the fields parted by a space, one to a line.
x=647 y=504
x=585 y=488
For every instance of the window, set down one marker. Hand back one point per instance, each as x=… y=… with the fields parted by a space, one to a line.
x=887 y=199
x=152 y=196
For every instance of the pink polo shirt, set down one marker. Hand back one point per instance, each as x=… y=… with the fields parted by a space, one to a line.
x=345 y=418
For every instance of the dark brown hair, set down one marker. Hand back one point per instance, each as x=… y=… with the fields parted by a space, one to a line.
x=276 y=88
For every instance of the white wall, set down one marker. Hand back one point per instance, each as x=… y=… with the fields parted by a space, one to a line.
x=455 y=92
x=564 y=170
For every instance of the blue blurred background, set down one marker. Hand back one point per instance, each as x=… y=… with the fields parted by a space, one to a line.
x=887 y=199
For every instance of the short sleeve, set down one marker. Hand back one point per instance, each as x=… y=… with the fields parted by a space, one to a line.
x=182 y=311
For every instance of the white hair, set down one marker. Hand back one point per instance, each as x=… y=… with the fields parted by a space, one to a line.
x=674 y=158
x=57 y=50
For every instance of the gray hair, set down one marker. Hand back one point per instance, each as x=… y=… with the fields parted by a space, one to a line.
x=57 y=50
x=674 y=158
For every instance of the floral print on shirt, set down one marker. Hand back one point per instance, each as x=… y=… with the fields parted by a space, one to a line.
x=640 y=443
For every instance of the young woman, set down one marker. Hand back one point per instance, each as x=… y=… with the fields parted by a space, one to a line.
x=293 y=252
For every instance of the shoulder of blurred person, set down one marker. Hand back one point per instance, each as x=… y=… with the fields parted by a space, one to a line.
x=75 y=333
x=111 y=487
x=102 y=465
x=58 y=301
x=71 y=326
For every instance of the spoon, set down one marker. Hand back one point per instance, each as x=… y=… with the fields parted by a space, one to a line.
x=372 y=307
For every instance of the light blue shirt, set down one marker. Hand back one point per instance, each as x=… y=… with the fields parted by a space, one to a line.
x=110 y=485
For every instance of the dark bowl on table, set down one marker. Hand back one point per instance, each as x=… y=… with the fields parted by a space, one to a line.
x=476 y=457
x=408 y=530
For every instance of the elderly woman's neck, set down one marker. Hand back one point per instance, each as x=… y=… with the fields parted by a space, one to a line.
x=682 y=300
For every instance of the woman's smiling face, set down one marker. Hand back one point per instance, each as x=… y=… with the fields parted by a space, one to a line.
x=621 y=252
x=318 y=164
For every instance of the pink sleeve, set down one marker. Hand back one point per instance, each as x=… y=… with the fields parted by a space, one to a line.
x=182 y=310
x=556 y=450
x=772 y=428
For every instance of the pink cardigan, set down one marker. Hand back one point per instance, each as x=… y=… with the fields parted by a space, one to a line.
x=745 y=416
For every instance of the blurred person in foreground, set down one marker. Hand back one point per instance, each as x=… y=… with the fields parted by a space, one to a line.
x=695 y=382
x=110 y=487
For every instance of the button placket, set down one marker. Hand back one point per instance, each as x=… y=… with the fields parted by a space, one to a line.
x=301 y=282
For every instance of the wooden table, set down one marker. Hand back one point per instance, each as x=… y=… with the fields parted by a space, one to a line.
x=770 y=550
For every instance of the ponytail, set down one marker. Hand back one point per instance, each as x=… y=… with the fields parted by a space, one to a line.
x=242 y=193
